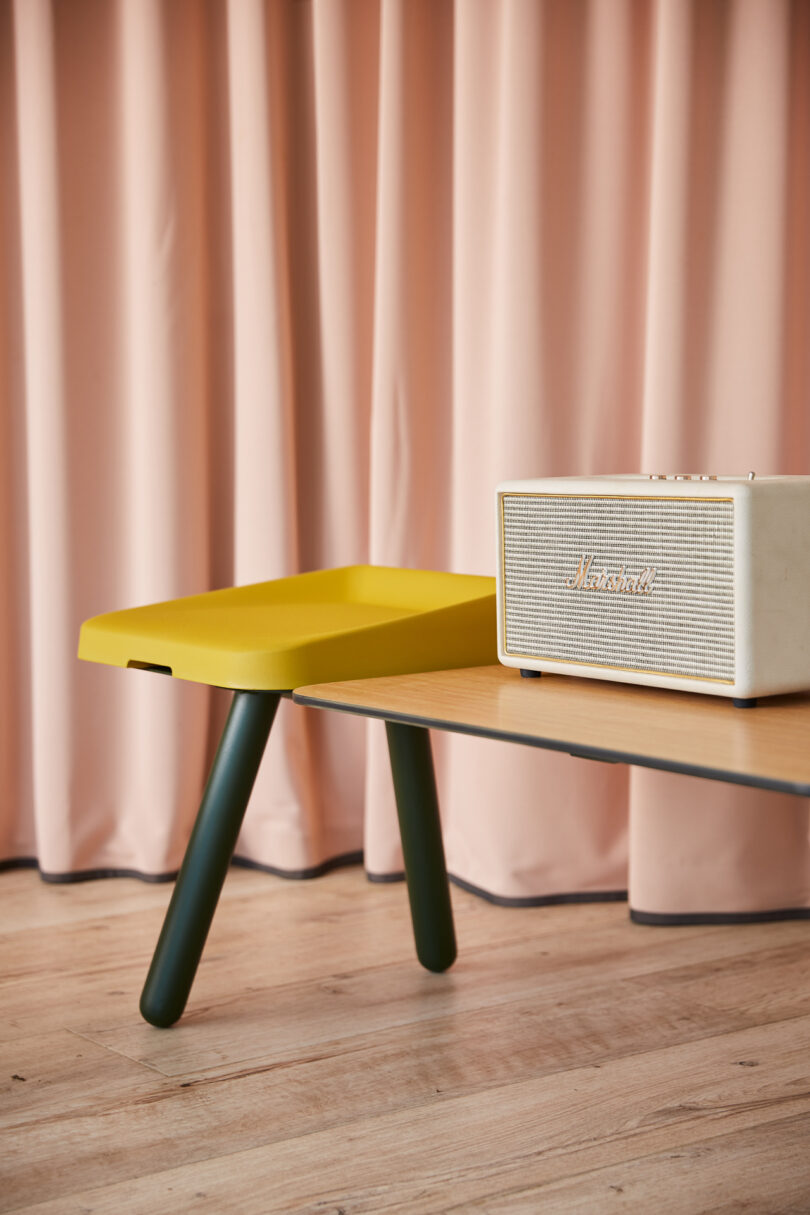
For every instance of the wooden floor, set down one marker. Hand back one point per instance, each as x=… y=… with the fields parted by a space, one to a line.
x=569 y=1062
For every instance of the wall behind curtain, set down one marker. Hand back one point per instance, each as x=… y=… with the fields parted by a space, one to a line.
x=287 y=285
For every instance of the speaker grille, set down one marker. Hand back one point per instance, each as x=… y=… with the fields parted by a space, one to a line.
x=684 y=626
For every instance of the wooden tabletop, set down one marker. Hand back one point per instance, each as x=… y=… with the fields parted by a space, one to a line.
x=767 y=746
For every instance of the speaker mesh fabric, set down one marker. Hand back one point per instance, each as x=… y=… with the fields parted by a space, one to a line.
x=683 y=627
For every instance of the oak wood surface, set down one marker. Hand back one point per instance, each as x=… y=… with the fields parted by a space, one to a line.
x=680 y=731
x=570 y=1061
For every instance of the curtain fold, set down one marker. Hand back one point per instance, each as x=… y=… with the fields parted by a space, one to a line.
x=48 y=481
x=287 y=284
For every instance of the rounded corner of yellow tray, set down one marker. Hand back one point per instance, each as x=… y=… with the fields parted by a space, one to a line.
x=99 y=644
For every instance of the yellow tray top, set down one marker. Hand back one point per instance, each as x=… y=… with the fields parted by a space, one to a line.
x=349 y=623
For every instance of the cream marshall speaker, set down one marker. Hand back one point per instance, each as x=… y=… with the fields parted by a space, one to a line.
x=685 y=581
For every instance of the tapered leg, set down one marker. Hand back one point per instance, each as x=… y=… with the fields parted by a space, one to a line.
x=208 y=856
x=422 y=847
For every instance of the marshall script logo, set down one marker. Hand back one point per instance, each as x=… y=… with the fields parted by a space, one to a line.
x=586 y=579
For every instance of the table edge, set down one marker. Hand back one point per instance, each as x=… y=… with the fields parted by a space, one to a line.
x=599 y=754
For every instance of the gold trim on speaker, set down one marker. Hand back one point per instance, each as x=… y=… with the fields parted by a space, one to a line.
x=621 y=497
x=573 y=662
x=609 y=666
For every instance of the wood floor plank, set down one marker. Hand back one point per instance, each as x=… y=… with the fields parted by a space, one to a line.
x=164 y=1121
x=320 y=1068
x=253 y=1021
x=101 y=965
x=282 y=930
x=64 y=1115
x=763 y=1169
x=48 y=1078
x=454 y=1152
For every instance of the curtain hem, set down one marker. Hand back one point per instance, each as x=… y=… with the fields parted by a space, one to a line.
x=667 y=919
x=523 y=900
x=649 y=918
x=239 y=862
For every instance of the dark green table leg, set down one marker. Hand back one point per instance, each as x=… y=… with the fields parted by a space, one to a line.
x=422 y=847
x=208 y=856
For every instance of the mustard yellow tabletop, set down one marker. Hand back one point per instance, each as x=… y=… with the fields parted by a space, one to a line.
x=349 y=623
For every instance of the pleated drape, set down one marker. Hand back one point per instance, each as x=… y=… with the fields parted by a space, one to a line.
x=286 y=285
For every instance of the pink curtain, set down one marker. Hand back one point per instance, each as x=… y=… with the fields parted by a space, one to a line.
x=287 y=285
